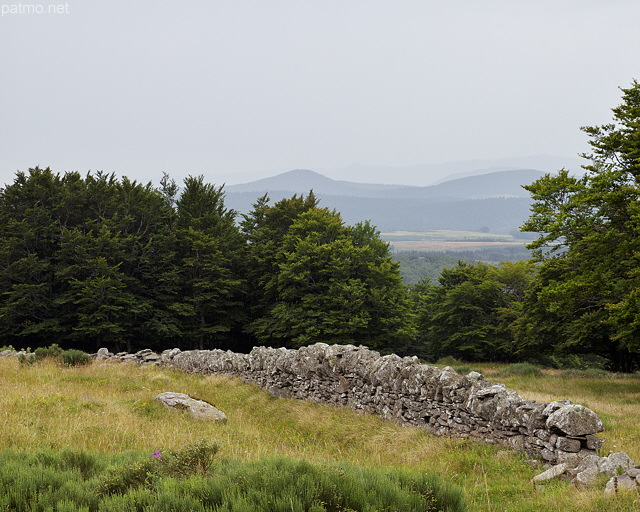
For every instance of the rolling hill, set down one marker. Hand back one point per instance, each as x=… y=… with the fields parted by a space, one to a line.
x=494 y=201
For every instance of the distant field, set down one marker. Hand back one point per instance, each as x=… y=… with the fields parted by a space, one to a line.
x=446 y=240
x=430 y=246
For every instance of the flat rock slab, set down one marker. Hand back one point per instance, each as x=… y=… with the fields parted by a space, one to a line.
x=198 y=409
x=575 y=420
x=549 y=474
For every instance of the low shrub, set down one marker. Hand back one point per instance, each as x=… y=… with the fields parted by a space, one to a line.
x=70 y=357
x=75 y=357
x=131 y=476
x=192 y=460
x=52 y=351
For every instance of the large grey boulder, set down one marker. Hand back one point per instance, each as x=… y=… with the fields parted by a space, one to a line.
x=575 y=420
x=621 y=483
x=615 y=464
x=198 y=409
x=102 y=354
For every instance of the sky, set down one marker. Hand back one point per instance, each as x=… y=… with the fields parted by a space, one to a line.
x=238 y=90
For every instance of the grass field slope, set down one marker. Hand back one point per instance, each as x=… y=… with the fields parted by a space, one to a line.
x=108 y=411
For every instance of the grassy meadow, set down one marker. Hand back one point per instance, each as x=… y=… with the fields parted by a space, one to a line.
x=109 y=409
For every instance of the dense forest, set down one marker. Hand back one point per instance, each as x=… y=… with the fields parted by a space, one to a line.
x=91 y=261
x=95 y=261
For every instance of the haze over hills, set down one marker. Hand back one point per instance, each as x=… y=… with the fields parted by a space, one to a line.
x=494 y=201
x=432 y=174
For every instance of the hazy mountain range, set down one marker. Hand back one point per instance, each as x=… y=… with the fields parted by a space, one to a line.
x=431 y=174
x=495 y=200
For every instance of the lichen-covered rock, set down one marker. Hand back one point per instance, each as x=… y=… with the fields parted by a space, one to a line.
x=615 y=464
x=593 y=443
x=621 y=483
x=550 y=474
x=103 y=353
x=198 y=409
x=575 y=420
x=568 y=445
x=587 y=477
x=585 y=474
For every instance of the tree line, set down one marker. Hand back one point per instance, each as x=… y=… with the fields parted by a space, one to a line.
x=92 y=261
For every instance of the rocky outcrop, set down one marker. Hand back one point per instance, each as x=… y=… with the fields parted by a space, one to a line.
x=198 y=409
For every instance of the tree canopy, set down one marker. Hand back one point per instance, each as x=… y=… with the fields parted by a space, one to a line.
x=321 y=280
x=92 y=261
x=469 y=313
x=96 y=261
x=587 y=296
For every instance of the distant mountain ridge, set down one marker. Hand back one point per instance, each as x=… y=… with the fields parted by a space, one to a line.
x=495 y=201
x=432 y=174
x=494 y=184
x=303 y=180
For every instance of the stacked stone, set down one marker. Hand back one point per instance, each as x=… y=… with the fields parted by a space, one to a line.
x=409 y=393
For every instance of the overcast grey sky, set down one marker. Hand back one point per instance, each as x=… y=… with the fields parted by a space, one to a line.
x=238 y=89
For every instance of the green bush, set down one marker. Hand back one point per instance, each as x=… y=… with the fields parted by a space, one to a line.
x=43 y=481
x=75 y=357
x=70 y=357
x=520 y=370
x=52 y=351
x=123 y=479
x=194 y=459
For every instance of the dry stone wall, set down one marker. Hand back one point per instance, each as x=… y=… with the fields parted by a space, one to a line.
x=409 y=393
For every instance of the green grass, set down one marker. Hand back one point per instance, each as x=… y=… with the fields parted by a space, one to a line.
x=108 y=409
x=520 y=370
x=190 y=480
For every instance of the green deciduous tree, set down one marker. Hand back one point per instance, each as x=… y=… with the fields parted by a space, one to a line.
x=586 y=296
x=323 y=281
x=470 y=312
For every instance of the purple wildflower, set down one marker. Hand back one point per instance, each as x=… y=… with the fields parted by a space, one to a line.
x=157 y=455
